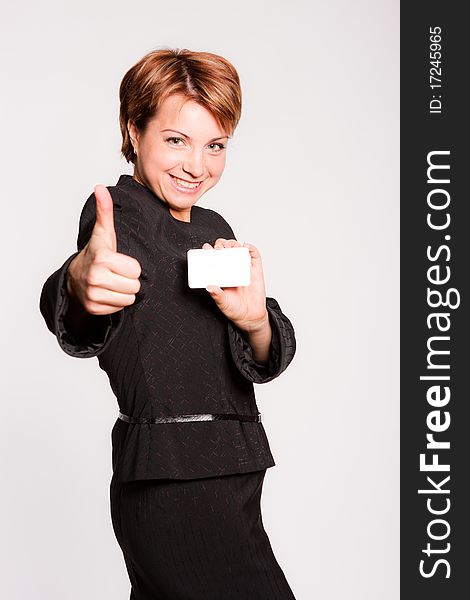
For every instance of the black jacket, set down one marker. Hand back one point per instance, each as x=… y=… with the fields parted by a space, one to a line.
x=173 y=351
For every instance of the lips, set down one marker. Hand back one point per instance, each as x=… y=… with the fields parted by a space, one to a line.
x=181 y=179
x=184 y=185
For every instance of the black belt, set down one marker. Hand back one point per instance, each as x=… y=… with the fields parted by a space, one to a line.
x=185 y=418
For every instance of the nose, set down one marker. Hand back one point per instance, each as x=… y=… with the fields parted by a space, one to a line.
x=194 y=163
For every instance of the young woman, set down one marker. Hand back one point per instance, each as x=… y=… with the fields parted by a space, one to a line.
x=189 y=450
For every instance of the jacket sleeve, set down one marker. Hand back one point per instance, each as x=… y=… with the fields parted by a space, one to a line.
x=97 y=330
x=281 y=351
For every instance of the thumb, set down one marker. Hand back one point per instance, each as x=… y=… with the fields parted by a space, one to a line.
x=103 y=229
x=220 y=298
x=218 y=294
x=214 y=289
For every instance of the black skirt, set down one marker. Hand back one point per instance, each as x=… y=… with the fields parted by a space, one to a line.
x=191 y=539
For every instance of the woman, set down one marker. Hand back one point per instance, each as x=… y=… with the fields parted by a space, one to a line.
x=189 y=450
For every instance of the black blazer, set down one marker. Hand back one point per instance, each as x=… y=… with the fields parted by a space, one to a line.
x=173 y=351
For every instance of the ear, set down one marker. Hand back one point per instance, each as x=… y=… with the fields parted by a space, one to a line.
x=133 y=132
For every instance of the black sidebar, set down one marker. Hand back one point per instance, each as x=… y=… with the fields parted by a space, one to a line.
x=435 y=315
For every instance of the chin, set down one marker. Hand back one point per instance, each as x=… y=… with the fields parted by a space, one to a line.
x=184 y=200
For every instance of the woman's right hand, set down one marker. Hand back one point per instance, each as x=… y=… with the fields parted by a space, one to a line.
x=100 y=280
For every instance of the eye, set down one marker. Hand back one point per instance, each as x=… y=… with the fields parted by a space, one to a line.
x=221 y=146
x=174 y=138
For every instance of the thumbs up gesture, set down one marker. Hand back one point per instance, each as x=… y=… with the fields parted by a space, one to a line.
x=101 y=280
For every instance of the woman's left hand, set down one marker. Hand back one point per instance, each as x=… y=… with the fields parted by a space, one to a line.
x=244 y=305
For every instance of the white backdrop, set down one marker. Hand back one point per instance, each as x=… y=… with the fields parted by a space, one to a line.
x=312 y=179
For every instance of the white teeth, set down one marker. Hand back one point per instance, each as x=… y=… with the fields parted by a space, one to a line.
x=185 y=183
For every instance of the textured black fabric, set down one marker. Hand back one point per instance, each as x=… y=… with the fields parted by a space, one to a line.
x=200 y=539
x=172 y=351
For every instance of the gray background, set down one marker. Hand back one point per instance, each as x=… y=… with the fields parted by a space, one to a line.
x=312 y=179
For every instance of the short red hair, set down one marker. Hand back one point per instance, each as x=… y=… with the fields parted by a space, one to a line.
x=206 y=78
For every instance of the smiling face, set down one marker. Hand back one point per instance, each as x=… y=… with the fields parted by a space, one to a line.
x=180 y=154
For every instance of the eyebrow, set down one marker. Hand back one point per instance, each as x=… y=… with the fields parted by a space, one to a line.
x=187 y=136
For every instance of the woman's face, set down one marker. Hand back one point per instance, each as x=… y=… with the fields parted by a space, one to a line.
x=181 y=146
